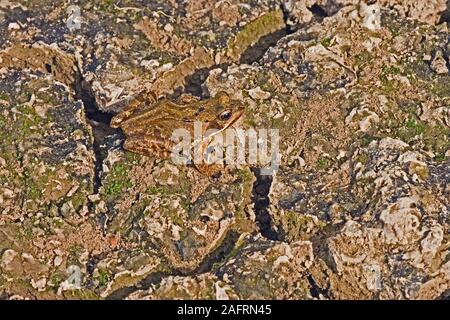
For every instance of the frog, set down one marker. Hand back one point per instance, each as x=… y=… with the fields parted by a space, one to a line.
x=148 y=123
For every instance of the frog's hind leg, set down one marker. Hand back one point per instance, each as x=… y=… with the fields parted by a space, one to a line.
x=125 y=114
x=140 y=102
x=148 y=147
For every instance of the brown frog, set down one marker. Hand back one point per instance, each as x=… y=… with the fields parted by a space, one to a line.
x=148 y=127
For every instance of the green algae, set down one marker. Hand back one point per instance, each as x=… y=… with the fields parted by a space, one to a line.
x=264 y=25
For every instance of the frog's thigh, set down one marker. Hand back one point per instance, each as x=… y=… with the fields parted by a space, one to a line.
x=137 y=104
x=125 y=114
x=148 y=146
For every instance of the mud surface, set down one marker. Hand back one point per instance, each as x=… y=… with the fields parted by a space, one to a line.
x=359 y=208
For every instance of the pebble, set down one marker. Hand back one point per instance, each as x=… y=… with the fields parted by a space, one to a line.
x=13 y=26
x=258 y=94
x=57 y=261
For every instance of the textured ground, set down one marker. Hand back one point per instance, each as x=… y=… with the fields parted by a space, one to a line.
x=359 y=209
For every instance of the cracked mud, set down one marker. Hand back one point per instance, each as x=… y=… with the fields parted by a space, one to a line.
x=359 y=208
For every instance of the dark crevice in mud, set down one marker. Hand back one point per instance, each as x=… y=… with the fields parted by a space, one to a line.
x=328 y=9
x=145 y=284
x=217 y=257
x=257 y=51
x=316 y=291
x=445 y=295
x=320 y=244
x=194 y=83
x=97 y=119
x=319 y=12
x=260 y=198
x=445 y=16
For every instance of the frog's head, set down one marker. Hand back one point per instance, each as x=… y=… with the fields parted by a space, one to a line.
x=224 y=110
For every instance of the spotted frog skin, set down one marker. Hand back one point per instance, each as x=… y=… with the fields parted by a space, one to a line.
x=148 y=127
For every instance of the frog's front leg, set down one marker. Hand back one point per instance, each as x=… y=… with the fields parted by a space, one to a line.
x=149 y=146
x=204 y=155
x=209 y=170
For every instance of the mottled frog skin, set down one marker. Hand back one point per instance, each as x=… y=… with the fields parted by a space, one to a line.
x=148 y=127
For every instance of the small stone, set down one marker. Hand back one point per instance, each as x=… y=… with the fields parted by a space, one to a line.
x=372 y=16
x=419 y=169
x=57 y=261
x=13 y=26
x=39 y=284
x=366 y=123
x=11 y=262
x=149 y=64
x=72 y=190
x=41 y=110
x=373 y=277
x=258 y=94
x=67 y=208
x=168 y=27
x=102 y=206
x=221 y=293
x=433 y=239
x=341 y=154
x=8 y=193
x=166 y=67
x=335 y=213
x=439 y=65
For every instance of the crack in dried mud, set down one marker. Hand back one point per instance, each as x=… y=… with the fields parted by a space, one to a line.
x=257 y=51
x=216 y=257
x=316 y=291
x=261 y=200
x=150 y=280
x=98 y=120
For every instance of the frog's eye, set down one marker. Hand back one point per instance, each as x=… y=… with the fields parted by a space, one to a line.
x=226 y=115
